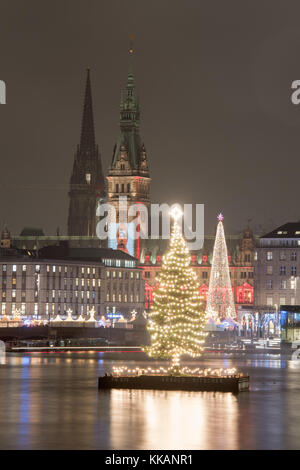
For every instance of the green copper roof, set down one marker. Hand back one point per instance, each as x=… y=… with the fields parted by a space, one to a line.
x=129 y=120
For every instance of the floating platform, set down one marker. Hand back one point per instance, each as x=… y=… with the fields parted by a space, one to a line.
x=233 y=384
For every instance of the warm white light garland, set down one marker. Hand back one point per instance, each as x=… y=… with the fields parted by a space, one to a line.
x=220 y=301
x=177 y=318
x=186 y=371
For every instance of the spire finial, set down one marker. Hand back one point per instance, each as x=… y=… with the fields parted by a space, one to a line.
x=131 y=37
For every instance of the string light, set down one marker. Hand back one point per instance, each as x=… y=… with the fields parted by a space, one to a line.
x=196 y=372
x=177 y=318
x=220 y=301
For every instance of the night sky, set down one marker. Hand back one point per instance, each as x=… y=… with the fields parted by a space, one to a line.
x=214 y=81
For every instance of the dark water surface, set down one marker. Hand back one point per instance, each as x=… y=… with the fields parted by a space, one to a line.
x=51 y=401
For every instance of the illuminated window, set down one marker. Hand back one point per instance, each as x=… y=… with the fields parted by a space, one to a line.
x=282 y=301
x=4 y=267
x=14 y=268
x=269 y=255
x=283 y=284
x=24 y=267
x=270 y=269
x=270 y=301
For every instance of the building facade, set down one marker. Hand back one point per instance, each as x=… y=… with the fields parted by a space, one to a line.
x=277 y=267
x=61 y=278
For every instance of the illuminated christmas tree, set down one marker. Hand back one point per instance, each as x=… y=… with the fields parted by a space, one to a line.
x=177 y=318
x=220 y=302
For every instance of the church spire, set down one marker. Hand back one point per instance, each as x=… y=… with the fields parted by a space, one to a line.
x=87 y=185
x=87 y=140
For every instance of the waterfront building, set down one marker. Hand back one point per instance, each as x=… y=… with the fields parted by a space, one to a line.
x=276 y=274
x=277 y=267
x=58 y=278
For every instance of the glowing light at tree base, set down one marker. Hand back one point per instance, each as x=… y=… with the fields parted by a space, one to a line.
x=167 y=371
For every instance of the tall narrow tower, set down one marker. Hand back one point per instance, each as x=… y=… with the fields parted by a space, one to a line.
x=87 y=184
x=129 y=171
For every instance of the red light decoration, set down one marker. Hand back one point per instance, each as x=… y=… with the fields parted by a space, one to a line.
x=244 y=294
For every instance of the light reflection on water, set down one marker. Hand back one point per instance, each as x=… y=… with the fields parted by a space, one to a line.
x=51 y=401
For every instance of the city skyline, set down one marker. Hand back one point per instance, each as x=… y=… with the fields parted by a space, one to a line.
x=233 y=143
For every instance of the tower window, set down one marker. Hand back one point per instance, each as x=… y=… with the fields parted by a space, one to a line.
x=88 y=178
x=128 y=187
x=117 y=187
x=122 y=166
x=122 y=188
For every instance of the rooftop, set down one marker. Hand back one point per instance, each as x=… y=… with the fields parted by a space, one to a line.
x=288 y=230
